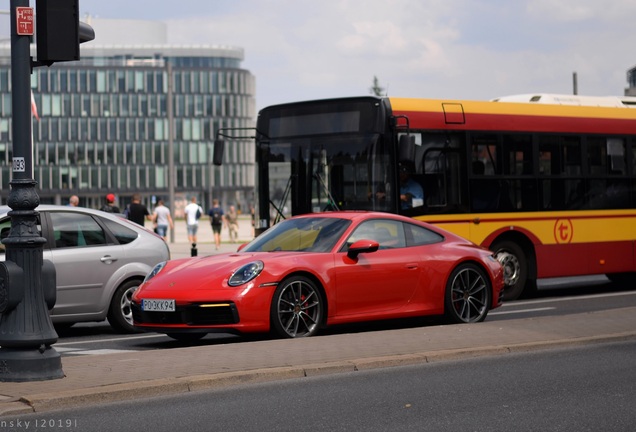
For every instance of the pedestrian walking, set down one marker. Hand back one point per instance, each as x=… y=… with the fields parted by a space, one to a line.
x=193 y=212
x=136 y=211
x=162 y=219
x=231 y=219
x=109 y=206
x=73 y=201
x=216 y=220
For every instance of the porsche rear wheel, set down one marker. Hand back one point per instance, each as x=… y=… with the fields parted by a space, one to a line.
x=468 y=294
x=297 y=308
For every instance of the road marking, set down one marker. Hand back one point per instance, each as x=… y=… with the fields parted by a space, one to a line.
x=81 y=351
x=110 y=340
x=521 y=311
x=570 y=298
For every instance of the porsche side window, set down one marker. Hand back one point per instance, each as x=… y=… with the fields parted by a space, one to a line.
x=76 y=230
x=389 y=234
x=421 y=236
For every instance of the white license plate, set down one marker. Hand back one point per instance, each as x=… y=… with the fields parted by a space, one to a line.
x=157 y=305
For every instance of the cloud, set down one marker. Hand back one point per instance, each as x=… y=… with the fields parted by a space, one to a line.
x=466 y=49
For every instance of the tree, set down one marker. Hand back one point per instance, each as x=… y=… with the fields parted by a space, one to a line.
x=376 y=89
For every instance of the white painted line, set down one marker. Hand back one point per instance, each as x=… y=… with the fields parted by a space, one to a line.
x=110 y=340
x=569 y=298
x=521 y=311
x=101 y=352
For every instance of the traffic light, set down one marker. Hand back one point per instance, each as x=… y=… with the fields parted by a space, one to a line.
x=59 y=31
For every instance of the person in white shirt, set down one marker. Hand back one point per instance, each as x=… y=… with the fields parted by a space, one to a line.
x=193 y=212
x=163 y=219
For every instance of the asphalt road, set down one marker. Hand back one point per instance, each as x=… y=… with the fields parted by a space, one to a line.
x=557 y=298
x=587 y=388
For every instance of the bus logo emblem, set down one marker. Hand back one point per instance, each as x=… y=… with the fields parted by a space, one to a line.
x=563 y=231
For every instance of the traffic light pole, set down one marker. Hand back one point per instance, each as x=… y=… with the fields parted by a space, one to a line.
x=27 y=283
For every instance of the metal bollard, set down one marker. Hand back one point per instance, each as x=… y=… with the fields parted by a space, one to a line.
x=193 y=250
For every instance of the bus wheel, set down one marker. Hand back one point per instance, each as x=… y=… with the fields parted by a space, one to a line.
x=515 y=266
x=622 y=278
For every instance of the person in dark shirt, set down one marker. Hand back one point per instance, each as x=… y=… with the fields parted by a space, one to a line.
x=216 y=220
x=110 y=206
x=136 y=211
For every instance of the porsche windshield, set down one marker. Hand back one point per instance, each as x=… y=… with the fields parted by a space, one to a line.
x=302 y=234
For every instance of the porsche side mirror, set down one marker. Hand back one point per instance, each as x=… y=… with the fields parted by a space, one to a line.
x=362 y=246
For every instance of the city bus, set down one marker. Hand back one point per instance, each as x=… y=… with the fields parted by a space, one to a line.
x=547 y=182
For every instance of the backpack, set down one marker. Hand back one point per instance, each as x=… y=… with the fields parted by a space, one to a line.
x=198 y=215
x=107 y=208
x=217 y=218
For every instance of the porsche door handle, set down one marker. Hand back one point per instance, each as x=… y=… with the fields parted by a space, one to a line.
x=412 y=266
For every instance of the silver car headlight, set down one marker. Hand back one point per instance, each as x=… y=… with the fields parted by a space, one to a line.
x=246 y=273
x=155 y=271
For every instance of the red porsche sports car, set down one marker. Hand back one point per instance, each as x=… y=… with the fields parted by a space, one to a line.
x=321 y=269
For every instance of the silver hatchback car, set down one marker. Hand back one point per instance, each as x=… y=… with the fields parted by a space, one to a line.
x=100 y=259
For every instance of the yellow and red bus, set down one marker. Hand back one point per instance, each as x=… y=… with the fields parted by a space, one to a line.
x=550 y=186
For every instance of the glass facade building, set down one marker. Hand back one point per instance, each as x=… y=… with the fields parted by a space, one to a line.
x=105 y=122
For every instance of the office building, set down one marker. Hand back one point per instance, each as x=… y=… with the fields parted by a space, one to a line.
x=103 y=123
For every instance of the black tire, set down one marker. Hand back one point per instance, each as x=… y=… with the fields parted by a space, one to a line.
x=297 y=308
x=468 y=294
x=120 y=312
x=515 y=264
x=628 y=280
x=186 y=337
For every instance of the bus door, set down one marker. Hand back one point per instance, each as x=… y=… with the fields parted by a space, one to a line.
x=440 y=163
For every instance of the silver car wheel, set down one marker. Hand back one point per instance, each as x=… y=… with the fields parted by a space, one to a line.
x=126 y=302
x=120 y=311
x=297 y=308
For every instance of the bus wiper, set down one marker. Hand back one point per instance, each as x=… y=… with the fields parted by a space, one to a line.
x=279 y=212
x=332 y=202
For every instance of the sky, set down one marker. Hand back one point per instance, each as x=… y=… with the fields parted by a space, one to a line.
x=446 y=49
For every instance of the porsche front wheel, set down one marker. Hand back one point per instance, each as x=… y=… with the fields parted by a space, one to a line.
x=297 y=308
x=468 y=294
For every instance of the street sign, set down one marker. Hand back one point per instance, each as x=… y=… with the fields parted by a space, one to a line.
x=24 y=18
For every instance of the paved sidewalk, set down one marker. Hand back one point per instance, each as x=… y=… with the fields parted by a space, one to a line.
x=181 y=248
x=93 y=379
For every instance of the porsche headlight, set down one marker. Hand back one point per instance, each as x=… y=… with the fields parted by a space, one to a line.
x=245 y=273
x=155 y=271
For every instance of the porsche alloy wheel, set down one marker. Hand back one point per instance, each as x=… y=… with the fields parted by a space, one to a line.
x=468 y=294
x=296 y=308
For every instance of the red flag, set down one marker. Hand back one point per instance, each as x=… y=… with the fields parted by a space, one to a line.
x=34 y=108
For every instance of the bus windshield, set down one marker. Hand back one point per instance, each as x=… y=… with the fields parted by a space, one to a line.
x=313 y=174
x=323 y=155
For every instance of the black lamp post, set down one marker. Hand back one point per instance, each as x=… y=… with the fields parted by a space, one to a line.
x=27 y=281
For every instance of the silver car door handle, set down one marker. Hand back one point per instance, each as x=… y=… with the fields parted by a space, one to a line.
x=108 y=259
